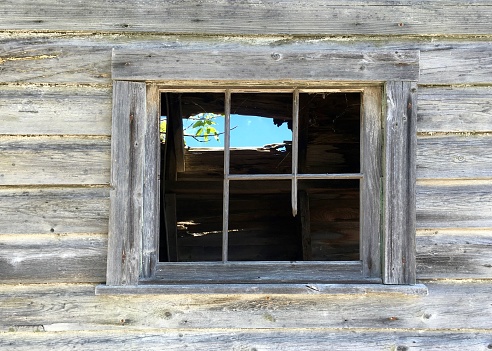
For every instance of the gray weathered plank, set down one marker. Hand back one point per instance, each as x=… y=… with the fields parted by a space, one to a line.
x=54 y=160
x=54 y=210
x=455 y=156
x=268 y=340
x=261 y=272
x=55 y=110
x=264 y=64
x=448 y=306
x=127 y=164
x=451 y=109
x=52 y=258
x=263 y=17
x=465 y=204
x=399 y=183
x=151 y=189
x=455 y=62
x=45 y=58
x=371 y=185
x=273 y=288
x=77 y=59
x=454 y=254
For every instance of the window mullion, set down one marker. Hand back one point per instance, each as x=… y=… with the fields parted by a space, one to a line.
x=225 y=201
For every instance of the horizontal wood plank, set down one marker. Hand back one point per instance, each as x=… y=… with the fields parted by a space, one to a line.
x=259 y=272
x=54 y=160
x=448 y=306
x=53 y=258
x=330 y=289
x=32 y=58
x=268 y=340
x=465 y=204
x=54 y=210
x=264 y=17
x=454 y=157
x=86 y=59
x=454 y=254
x=454 y=109
x=55 y=110
x=265 y=64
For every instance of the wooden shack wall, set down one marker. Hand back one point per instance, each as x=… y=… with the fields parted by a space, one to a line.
x=55 y=113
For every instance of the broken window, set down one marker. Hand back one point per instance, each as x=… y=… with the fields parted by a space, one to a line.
x=261 y=176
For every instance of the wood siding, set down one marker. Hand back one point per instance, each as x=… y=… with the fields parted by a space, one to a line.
x=454 y=316
x=55 y=160
x=318 y=17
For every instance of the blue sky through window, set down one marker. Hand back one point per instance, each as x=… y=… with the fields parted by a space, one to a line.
x=246 y=131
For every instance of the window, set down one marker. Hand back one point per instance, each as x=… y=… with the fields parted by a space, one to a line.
x=333 y=203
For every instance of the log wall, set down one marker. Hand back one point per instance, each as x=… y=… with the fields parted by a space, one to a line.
x=55 y=130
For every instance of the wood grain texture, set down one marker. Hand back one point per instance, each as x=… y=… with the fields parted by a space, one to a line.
x=55 y=110
x=86 y=59
x=125 y=216
x=52 y=258
x=264 y=64
x=371 y=185
x=54 y=210
x=55 y=59
x=399 y=183
x=59 y=307
x=151 y=183
x=268 y=340
x=246 y=17
x=450 y=205
x=453 y=157
x=450 y=109
x=454 y=254
x=273 y=288
x=54 y=160
x=259 y=272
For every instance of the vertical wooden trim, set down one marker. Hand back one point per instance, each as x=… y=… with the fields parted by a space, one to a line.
x=370 y=185
x=399 y=184
x=127 y=154
x=225 y=195
x=295 y=149
x=151 y=170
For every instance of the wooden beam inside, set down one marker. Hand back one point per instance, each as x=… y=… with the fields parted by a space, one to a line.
x=171 y=229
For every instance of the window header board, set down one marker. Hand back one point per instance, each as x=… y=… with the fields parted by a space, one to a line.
x=264 y=64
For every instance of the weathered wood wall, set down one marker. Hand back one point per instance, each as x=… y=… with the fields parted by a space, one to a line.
x=55 y=118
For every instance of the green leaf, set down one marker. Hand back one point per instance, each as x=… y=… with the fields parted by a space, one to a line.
x=197 y=124
x=163 y=126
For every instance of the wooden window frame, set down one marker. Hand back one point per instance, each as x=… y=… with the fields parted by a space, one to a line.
x=387 y=81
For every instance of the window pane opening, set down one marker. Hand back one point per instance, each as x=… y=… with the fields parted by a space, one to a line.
x=192 y=170
x=329 y=132
x=261 y=133
x=260 y=223
x=330 y=218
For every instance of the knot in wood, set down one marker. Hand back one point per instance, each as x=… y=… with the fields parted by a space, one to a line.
x=276 y=56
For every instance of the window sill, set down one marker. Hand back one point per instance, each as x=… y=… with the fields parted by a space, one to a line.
x=301 y=289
